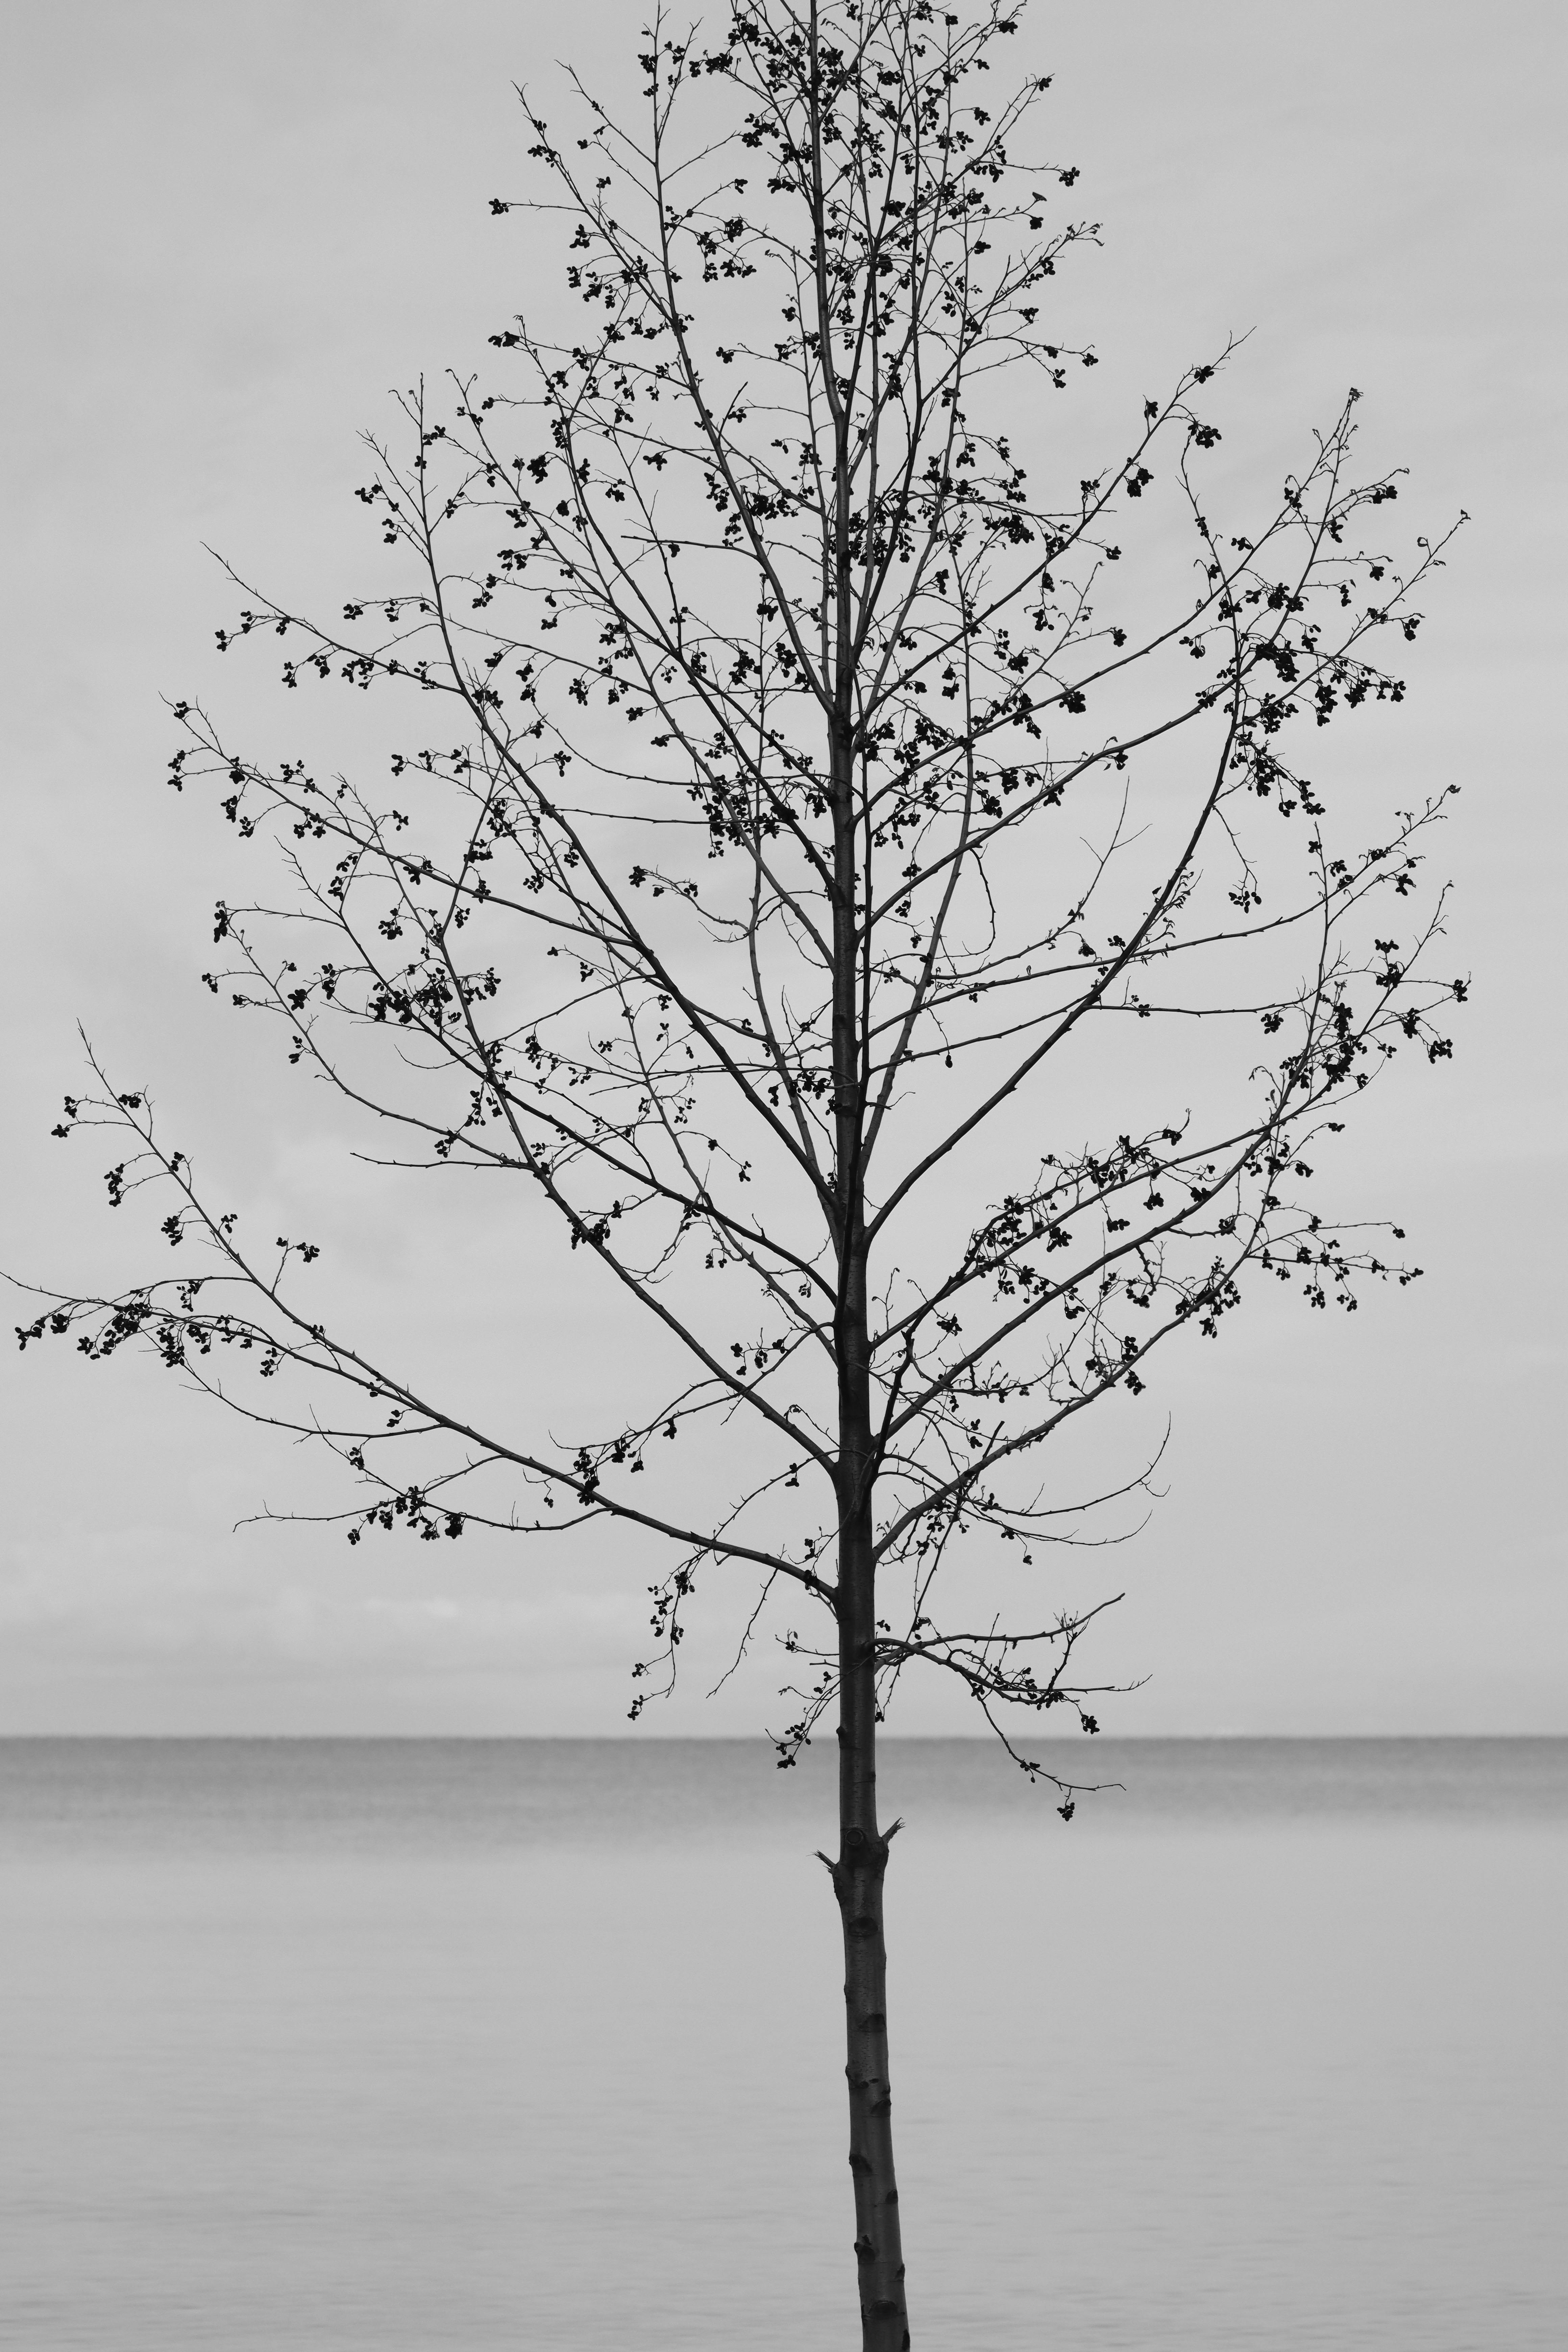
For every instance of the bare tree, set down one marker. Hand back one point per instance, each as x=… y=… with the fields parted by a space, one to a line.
x=829 y=817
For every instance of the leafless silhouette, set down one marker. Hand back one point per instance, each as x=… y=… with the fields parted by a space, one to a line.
x=873 y=905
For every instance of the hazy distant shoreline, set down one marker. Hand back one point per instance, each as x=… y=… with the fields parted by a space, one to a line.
x=356 y=1792
x=1057 y=1744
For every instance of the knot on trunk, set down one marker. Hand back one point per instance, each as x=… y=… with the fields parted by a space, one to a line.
x=862 y=1862
x=865 y=2252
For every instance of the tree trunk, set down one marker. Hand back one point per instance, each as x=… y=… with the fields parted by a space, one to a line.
x=857 y=1877
x=862 y=1863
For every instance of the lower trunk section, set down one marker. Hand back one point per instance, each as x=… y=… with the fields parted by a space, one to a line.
x=857 y=1877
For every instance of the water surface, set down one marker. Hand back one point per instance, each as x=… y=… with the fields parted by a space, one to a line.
x=315 y=2046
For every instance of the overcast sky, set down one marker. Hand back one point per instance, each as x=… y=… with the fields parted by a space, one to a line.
x=228 y=232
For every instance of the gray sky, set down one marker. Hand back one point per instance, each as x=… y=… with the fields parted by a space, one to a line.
x=228 y=232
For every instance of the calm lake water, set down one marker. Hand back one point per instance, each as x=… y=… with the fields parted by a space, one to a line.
x=427 y=2046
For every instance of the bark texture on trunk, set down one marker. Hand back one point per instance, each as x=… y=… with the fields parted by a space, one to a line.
x=857 y=1877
